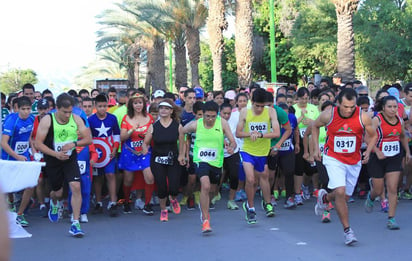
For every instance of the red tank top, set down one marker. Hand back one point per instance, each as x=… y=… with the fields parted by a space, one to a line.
x=389 y=136
x=344 y=137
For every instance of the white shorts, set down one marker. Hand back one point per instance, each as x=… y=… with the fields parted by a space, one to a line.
x=341 y=175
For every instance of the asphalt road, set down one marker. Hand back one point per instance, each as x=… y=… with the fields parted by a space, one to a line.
x=290 y=235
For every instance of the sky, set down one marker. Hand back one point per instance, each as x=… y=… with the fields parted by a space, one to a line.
x=54 y=38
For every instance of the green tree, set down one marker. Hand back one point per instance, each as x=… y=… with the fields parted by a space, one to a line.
x=14 y=79
x=383 y=33
x=229 y=75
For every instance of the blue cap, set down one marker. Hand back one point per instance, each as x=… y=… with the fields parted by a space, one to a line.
x=394 y=92
x=199 y=93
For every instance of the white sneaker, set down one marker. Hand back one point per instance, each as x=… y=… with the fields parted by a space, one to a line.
x=350 y=237
x=139 y=204
x=83 y=218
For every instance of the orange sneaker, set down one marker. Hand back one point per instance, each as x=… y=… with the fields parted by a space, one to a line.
x=164 y=216
x=206 y=226
x=175 y=206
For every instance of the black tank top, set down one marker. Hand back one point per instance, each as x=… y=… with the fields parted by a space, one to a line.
x=165 y=139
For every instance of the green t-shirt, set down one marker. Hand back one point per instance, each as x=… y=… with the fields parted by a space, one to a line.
x=4 y=113
x=34 y=108
x=120 y=113
x=282 y=119
x=312 y=112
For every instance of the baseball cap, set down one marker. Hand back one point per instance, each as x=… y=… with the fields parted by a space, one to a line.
x=394 y=92
x=270 y=89
x=158 y=94
x=230 y=94
x=42 y=104
x=199 y=92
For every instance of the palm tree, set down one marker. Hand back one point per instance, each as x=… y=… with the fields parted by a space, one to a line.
x=244 y=42
x=346 y=43
x=215 y=26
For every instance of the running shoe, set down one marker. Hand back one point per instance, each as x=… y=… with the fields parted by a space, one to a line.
x=351 y=200
x=326 y=216
x=216 y=198
x=126 y=208
x=283 y=193
x=183 y=201
x=212 y=206
x=139 y=204
x=315 y=193
x=53 y=212
x=231 y=204
x=385 y=205
x=206 y=226
x=276 y=194
x=350 y=238
x=225 y=186
x=190 y=203
x=76 y=230
x=175 y=206
x=320 y=205
x=298 y=200
x=22 y=220
x=250 y=214
x=273 y=201
x=406 y=195
x=238 y=196
x=98 y=209
x=392 y=225
x=289 y=203
x=43 y=210
x=164 y=216
x=148 y=210
x=368 y=203
x=270 y=212
x=330 y=206
x=362 y=194
x=154 y=200
x=306 y=193
x=83 y=218
x=11 y=205
x=112 y=208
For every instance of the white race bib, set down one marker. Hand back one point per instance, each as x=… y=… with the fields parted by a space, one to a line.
x=58 y=146
x=391 y=148
x=261 y=127
x=82 y=166
x=21 y=147
x=345 y=144
x=136 y=144
x=165 y=160
x=206 y=154
x=286 y=145
x=302 y=132
x=321 y=147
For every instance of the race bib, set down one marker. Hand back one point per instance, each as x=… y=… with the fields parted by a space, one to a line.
x=58 y=146
x=82 y=166
x=136 y=144
x=286 y=145
x=345 y=144
x=258 y=126
x=302 y=132
x=391 y=148
x=21 y=147
x=321 y=147
x=206 y=154
x=165 y=160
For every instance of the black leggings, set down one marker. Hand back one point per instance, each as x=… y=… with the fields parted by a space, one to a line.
x=231 y=166
x=167 y=178
x=287 y=166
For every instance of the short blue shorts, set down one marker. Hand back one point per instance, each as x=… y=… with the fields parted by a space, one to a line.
x=110 y=168
x=258 y=162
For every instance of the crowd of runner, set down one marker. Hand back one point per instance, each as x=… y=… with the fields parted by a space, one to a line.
x=107 y=152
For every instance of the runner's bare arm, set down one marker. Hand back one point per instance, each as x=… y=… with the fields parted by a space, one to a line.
x=404 y=142
x=182 y=153
x=241 y=125
x=285 y=135
x=322 y=120
x=147 y=139
x=275 y=133
x=188 y=128
x=372 y=136
x=85 y=132
x=229 y=135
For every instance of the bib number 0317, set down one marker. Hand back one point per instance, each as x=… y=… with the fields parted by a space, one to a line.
x=345 y=144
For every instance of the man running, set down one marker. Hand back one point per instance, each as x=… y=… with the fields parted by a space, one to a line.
x=346 y=125
x=257 y=125
x=57 y=139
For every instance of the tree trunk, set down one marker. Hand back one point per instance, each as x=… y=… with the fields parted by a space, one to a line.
x=215 y=26
x=158 y=72
x=130 y=74
x=193 y=48
x=180 y=63
x=149 y=70
x=346 y=41
x=136 y=74
x=244 y=42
